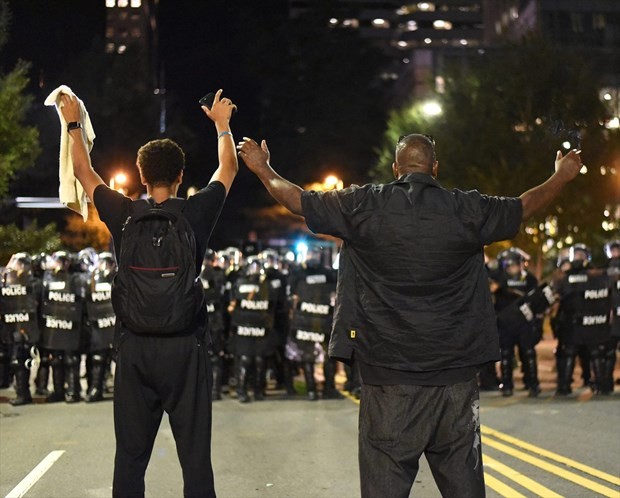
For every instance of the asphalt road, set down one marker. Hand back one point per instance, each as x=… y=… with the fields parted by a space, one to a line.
x=295 y=448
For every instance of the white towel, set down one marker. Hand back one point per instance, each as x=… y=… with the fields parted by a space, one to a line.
x=70 y=192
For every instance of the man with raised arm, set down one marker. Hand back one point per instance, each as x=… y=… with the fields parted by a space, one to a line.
x=414 y=308
x=168 y=370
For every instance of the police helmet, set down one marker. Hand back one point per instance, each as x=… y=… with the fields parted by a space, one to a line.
x=19 y=265
x=230 y=258
x=87 y=259
x=106 y=262
x=60 y=261
x=511 y=256
x=269 y=259
x=612 y=249
x=253 y=266
x=579 y=252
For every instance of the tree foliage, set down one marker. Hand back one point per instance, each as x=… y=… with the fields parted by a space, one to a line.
x=79 y=234
x=31 y=240
x=504 y=117
x=19 y=144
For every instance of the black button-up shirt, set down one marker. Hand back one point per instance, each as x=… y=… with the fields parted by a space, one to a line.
x=412 y=287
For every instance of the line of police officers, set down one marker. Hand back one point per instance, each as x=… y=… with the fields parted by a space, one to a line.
x=54 y=309
x=265 y=313
x=268 y=314
x=583 y=303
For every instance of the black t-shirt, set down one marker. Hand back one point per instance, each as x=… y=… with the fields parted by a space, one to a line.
x=201 y=210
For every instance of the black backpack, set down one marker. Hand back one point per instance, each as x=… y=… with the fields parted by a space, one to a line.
x=156 y=289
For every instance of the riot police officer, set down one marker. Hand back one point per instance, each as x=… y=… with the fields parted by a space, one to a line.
x=253 y=306
x=214 y=285
x=20 y=292
x=313 y=296
x=100 y=324
x=583 y=319
x=612 y=251
x=515 y=283
x=61 y=326
x=40 y=263
x=271 y=263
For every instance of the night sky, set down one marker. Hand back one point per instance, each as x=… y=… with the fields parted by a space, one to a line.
x=237 y=46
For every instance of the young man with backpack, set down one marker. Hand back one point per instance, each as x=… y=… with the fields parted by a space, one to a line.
x=162 y=362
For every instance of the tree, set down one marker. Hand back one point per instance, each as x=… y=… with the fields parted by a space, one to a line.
x=31 y=240
x=501 y=125
x=19 y=144
x=79 y=234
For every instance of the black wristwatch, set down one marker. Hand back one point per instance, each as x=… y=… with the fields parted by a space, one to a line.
x=73 y=125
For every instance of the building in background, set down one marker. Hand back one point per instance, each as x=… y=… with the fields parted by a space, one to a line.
x=422 y=38
x=132 y=25
x=588 y=28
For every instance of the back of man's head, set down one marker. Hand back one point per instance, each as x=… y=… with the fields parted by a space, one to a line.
x=160 y=162
x=415 y=153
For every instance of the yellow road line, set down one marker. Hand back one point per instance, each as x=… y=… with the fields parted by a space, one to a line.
x=501 y=488
x=553 y=469
x=519 y=478
x=346 y=394
x=550 y=455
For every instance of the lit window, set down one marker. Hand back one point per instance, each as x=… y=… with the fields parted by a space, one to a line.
x=514 y=13
x=412 y=25
x=122 y=49
x=110 y=4
x=440 y=24
x=427 y=41
x=350 y=23
x=607 y=96
x=426 y=6
x=464 y=42
x=333 y=21
x=109 y=48
x=136 y=3
x=380 y=23
x=402 y=44
x=123 y=3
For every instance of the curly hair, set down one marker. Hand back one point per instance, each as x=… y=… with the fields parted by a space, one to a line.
x=161 y=161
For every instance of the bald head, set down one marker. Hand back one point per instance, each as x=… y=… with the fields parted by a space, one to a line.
x=415 y=153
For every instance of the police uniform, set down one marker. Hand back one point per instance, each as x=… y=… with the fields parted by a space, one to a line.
x=514 y=331
x=583 y=319
x=19 y=302
x=101 y=324
x=313 y=291
x=214 y=284
x=255 y=300
x=61 y=314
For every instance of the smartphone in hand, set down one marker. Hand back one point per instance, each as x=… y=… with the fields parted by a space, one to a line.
x=208 y=99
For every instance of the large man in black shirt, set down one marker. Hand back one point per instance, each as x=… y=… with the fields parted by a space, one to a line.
x=169 y=373
x=414 y=307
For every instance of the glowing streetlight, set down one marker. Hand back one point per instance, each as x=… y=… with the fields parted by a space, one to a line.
x=117 y=182
x=431 y=108
x=332 y=182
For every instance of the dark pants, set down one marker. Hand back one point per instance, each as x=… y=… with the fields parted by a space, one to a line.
x=400 y=423
x=153 y=375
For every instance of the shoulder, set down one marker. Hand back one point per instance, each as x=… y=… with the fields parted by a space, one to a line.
x=105 y=198
x=214 y=192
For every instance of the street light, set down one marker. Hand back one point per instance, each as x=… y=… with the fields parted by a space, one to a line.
x=431 y=108
x=332 y=182
x=117 y=182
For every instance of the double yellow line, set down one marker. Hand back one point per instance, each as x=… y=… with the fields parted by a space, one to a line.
x=531 y=454
x=526 y=452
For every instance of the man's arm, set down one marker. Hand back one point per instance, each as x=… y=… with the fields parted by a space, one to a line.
x=537 y=198
x=257 y=160
x=82 y=168
x=220 y=113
